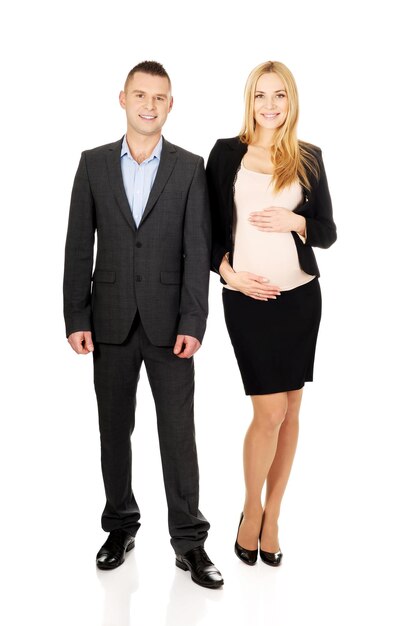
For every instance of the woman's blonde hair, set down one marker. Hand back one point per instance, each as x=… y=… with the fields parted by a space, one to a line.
x=292 y=159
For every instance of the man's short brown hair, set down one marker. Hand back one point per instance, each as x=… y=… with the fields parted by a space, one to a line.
x=148 y=67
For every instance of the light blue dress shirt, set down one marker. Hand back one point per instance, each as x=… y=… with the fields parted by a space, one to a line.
x=138 y=179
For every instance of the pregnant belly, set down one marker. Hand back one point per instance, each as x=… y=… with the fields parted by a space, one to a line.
x=271 y=255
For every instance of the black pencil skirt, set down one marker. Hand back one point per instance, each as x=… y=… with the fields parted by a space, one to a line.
x=274 y=341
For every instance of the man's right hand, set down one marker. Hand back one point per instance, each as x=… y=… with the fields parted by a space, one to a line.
x=81 y=342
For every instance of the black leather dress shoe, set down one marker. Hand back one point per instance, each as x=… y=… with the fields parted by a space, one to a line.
x=112 y=553
x=202 y=569
x=249 y=557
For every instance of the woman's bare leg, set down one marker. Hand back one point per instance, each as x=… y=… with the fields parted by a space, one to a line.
x=279 y=472
x=260 y=449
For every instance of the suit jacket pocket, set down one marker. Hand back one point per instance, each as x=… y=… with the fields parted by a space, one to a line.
x=170 y=278
x=104 y=276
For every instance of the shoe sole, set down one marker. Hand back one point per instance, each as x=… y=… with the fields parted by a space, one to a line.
x=107 y=567
x=207 y=585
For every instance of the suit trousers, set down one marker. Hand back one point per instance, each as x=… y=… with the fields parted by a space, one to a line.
x=116 y=376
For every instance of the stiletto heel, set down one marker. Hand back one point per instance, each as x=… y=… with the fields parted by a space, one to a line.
x=249 y=557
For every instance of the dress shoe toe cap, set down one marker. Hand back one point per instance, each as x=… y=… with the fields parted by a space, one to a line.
x=213 y=574
x=107 y=558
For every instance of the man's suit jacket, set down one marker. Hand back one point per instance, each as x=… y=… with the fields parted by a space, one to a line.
x=160 y=268
x=222 y=167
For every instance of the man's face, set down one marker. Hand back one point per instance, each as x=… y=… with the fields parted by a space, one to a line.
x=147 y=101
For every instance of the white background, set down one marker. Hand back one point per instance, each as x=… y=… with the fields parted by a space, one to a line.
x=349 y=519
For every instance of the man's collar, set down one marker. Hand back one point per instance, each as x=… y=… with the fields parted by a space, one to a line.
x=156 y=153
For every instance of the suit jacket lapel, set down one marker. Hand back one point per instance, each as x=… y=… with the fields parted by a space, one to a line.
x=167 y=162
x=116 y=181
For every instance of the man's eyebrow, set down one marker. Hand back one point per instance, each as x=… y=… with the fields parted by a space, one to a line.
x=164 y=95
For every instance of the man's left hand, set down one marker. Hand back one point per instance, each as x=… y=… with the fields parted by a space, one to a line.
x=186 y=346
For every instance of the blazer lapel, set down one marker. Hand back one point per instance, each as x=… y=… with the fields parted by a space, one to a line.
x=167 y=163
x=116 y=181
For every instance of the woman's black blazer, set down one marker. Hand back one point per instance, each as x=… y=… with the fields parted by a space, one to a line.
x=222 y=167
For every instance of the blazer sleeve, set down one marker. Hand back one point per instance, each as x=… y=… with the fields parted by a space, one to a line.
x=320 y=227
x=196 y=258
x=79 y=249
x=217 y=208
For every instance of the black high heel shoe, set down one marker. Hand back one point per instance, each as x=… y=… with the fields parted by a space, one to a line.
x=249 y=557
x=270 y=558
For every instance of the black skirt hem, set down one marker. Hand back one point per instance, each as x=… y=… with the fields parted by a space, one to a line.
x=249 y=392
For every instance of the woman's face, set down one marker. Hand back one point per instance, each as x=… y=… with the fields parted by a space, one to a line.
x=270 y=101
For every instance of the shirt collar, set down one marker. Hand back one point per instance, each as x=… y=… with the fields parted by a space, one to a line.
x=155 y=154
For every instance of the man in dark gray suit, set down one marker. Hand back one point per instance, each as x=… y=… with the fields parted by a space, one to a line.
x=146 y=202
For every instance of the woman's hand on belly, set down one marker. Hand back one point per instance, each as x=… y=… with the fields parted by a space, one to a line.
x=251 y=285
x=254 y=286
x=278 y=220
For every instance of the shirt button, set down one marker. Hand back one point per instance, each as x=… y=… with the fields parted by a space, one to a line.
x=138 y=278
x=138 y=244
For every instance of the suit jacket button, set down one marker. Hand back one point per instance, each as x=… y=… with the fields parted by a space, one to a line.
x=138 y=278
x=138 y=244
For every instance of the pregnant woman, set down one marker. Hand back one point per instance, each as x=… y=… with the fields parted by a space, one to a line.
x=270 y=204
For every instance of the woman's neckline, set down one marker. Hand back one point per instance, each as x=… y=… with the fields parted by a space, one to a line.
x=253 y=171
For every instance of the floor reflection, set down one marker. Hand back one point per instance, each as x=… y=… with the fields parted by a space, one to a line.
x=188 y=603
x=118 y=586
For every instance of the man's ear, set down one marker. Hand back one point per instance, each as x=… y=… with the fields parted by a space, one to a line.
x=122 y=99
x=171 y=104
